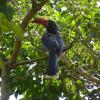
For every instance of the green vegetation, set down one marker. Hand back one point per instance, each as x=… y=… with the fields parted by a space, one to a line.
x=79 y=22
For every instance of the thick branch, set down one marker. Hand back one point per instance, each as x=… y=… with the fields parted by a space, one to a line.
x=24 y=24
x=15 y=51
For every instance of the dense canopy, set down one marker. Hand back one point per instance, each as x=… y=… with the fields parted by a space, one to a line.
x=23 y=60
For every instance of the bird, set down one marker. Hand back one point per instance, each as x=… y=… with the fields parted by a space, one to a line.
x=54 y=44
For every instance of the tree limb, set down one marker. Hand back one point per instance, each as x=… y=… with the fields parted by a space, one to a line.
x=92 y=52
x=79 y=70
x=43 y=58
x=87 y=76
x=24 y=24
x=7 y=67
x=70 y=45
x=30 y=61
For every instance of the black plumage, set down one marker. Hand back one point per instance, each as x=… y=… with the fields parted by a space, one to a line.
x=52 y=27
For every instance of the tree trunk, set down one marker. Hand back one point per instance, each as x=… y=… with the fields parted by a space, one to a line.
x=5 y=84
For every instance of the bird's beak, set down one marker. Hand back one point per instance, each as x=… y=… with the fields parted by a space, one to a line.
x=41 y=21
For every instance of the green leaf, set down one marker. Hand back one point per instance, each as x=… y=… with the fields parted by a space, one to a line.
x=77 y=97
x=6 y=25
x=73 y=88
x=1 y=64
x=17 y=30
x=4 y=28
x=73 y=23
x=79 y=82
x=7 y=9
x=2 y=17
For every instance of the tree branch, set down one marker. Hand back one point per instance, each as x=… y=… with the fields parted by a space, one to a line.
x=30 y=61
x=27 y=18
x=92 y=52
x=70 y=45
x=15 y=51
x=43 y=58
x=79 y=70
x=7 y=67
x=87 y=76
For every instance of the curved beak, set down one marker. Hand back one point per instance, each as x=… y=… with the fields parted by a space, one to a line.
x=41 y=21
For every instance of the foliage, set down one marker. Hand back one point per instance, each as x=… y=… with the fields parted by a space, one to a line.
x=29 y=79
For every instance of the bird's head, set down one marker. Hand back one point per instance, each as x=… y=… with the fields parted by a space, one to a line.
x=50 y=25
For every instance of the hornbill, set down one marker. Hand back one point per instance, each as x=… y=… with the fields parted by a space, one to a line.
x=54 y=44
